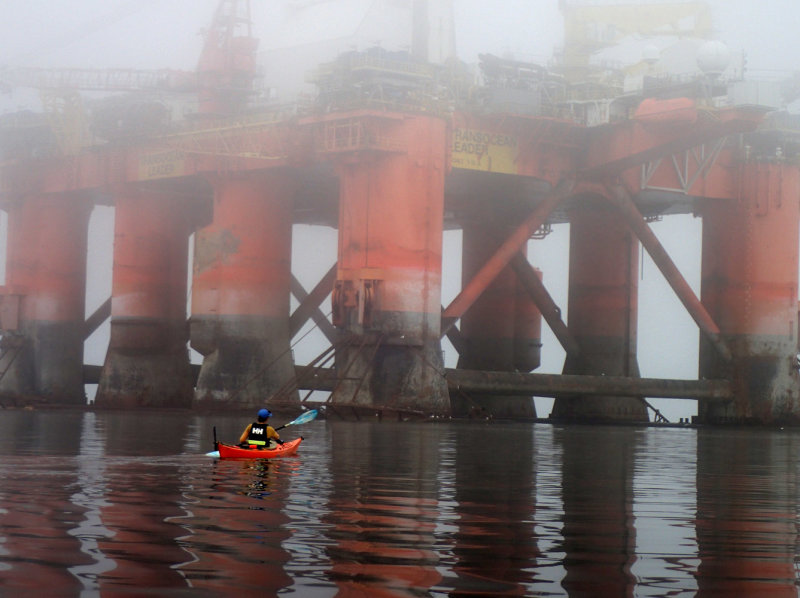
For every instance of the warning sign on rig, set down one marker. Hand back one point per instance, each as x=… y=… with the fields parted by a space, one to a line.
x=482 y=150
x=160 y=165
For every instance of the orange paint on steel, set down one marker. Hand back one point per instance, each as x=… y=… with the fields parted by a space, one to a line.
x=489 y=325
x=47 y=257
x=527 y=330
x=390 y=228
x=147 y=363
x=498 y=321
x=603 y=282
x=603 y=307
x=241 y=290
x=749 y=285
x=46 y=272
x=242 y=261
x=750 y=258
x=677 y=282
x=505 y=253
x=150 y=256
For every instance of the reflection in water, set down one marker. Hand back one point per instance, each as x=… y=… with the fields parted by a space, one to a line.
x=382 y=512
x=36 y=518
x=597 y=488
x=747 y=513
x=237 y=528
x=129 y=505
x=90 y=495
x=664 y=507
x=37 y=548
x=495 y=545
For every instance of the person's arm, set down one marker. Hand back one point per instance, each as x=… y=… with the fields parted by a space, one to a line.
x=244 y=435
x=271 y=433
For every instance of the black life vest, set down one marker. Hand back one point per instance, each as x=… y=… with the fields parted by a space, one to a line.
x=258 y=434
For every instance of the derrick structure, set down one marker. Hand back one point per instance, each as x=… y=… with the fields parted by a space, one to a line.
x=390 y=165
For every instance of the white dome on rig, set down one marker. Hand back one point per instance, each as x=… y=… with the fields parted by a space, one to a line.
x=713 y=57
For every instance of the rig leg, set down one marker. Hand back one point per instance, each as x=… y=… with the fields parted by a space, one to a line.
x=749 y=286
x=387 y=295
x=602 y=310
x=501 y=331
x=42 y=348
x=240 y=295
x=147 y=363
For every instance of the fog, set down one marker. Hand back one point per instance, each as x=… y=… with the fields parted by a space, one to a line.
x=153 y=34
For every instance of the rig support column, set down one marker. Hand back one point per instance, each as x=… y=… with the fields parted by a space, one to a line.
x=147 y=363
x=501 y=331
x=602 y=310
x=240 y=296
x=387 y=295
x=44 y=300
x=749 y=286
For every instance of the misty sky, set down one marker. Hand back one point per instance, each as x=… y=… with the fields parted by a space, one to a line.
x=152 y=34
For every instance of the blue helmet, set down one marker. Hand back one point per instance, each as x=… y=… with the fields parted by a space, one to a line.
x=264 y=414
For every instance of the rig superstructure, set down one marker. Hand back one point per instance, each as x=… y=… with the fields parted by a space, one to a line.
x=393 y=150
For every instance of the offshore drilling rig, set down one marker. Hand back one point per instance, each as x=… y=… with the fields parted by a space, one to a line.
x=394 y=149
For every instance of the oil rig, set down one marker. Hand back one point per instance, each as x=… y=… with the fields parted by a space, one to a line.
x=393 y=150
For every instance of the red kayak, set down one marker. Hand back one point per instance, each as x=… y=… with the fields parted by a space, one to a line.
x=229 y=451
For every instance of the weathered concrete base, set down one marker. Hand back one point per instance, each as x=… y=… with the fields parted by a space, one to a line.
x=765 y=380
x=45 y=360
x=247 y=363
x=400 y=378
x=147 y=365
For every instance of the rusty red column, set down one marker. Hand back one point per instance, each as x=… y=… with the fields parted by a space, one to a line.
x=44 y=300
x=241 y=291
x=501 y=331
x=602 y=309
x=147 y=363
x=749 y=286
x=388 y=289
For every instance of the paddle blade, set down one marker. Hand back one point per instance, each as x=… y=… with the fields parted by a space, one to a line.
x=303 y=419
x=214 y=454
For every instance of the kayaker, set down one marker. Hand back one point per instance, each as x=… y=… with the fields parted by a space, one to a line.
x=260 y=433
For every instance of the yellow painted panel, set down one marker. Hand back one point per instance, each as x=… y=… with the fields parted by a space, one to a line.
x=483 y=150
x=159 y=165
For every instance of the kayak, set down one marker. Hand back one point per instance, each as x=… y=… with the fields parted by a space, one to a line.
x=230 y=451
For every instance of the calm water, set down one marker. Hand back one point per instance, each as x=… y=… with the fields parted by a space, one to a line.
x=113 y=504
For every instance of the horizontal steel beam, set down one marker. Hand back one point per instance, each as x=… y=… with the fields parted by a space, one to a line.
x=541 y=385
x=560 y=385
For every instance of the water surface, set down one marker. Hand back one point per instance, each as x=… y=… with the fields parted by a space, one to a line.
x=127 y=504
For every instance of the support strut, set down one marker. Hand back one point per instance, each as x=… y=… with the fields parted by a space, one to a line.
x=622 y=200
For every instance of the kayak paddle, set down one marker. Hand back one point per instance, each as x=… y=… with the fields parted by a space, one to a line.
x=303 y=419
